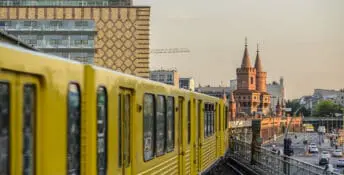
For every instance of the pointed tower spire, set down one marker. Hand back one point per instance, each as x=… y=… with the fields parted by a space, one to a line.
x=258 y=64
x=246 y=63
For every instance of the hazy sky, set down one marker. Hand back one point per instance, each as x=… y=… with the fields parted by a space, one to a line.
x=303 y=41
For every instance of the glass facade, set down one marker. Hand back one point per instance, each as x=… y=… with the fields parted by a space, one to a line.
x=71 y=39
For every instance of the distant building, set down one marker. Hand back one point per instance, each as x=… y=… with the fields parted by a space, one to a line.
x=233 y=84
x=340 y=99
x=215 y=91
x=187 y=83
x=277 y=92
x=319 y=95
x=165 y=76
x=71 y=39
x=251 y=96
x=108 y=33
x=7 y=38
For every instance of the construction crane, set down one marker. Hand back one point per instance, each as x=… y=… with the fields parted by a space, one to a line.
x=169 y=51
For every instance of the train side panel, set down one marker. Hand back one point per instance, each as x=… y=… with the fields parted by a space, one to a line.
x=41 y=88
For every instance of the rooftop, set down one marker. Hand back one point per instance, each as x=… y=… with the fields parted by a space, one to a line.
x=67 y=3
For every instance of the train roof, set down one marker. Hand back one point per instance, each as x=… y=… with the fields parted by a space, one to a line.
x=6 y=45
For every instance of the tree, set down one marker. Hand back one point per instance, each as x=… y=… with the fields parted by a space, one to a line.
x=295 y=105
x=327 y=108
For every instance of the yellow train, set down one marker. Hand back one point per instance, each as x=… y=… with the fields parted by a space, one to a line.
x=61 y=117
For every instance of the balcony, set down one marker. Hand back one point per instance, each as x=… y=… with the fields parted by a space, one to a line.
x=65 y=44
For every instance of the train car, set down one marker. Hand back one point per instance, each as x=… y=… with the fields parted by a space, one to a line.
x=63 y=117
x=40 y=113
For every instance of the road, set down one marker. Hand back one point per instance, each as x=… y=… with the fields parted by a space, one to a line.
x=299 y=148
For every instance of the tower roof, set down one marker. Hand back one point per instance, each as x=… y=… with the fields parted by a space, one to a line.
x=258 y=64
x=246 y=63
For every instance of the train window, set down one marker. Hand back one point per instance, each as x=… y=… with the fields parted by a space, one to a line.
x=29 y=115
x=126 y=122
x=218 y=118
x=226 y=117
x=160 y=125
x=119 y=131
x=189 y=122
x=211 y=120
x=73 y=130
x=102 y=130
x=148 y=126
x=170 y=124
x=206 y=121
x=4 y=128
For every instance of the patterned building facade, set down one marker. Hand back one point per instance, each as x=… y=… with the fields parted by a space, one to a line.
x=251 y=96
x=122 y=33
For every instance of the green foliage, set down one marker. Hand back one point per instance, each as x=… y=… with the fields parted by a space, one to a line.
x=294 y=105
x=327 y=108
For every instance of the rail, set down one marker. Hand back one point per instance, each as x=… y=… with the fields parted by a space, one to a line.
x=267 y=162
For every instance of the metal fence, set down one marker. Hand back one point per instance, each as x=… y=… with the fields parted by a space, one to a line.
x=267 y=162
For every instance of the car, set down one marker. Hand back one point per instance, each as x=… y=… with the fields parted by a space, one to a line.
x=323 y=161
x=313 y=149
x=275 y=150
x=325 y=154
x=337 y=153
x=340 y=163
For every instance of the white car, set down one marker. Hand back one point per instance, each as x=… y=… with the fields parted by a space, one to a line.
x=337 y=153
x=313 y=149
x=340 y=163
x=325 y=154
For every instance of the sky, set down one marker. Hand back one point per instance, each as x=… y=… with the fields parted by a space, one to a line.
x=303 y=41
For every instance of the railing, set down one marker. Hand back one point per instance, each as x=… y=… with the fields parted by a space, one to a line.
x=267 y=162
x=47 y=28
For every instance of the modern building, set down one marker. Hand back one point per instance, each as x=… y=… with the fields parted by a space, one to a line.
x=277 y=92
x=251 y=95
x=170 y=77
x=111 y=34
x=215 y=91
x=233 y=84
x=6 y=38
x=187 y=83
x=71 y=39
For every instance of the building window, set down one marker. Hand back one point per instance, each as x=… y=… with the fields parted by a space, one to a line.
x=56 y=23
x=160 y=125
x=251 y=80
x=27 y=23
x=148 y=126
x=169 y=77
x=5 y=128
x=81 y=24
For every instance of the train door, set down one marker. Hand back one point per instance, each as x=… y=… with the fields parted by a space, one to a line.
x=124 y=130
x=19 y=96
x=181 y=134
